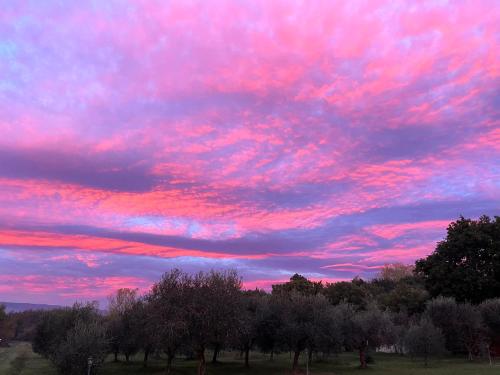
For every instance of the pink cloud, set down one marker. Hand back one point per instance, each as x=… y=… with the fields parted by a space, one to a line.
x=392 y=231
x=103 y=244
x=333 y=131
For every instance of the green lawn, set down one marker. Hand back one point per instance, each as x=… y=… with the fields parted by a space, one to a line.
x=20 y=360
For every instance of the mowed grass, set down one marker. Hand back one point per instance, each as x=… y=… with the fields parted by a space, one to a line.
x=19 y=359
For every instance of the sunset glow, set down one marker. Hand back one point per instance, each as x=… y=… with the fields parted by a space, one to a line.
x=326 y=138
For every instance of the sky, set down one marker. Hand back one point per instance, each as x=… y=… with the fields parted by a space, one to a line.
x=326 y=138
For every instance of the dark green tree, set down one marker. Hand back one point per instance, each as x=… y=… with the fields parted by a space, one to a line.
x=355 y=293
x=466 y=265
x=299 y=284
x=398 y=289
x=404 y=297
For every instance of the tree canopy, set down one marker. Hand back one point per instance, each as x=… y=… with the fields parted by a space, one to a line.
x=190 y=314
x=466 y=264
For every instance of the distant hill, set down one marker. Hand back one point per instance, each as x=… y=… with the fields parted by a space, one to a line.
x=18 y=307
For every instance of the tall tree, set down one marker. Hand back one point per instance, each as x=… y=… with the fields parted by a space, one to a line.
x=269 y=325
x=211 y=306
x=325 y=331
x=251 y=314
x=143 y=328
x=223 y=291
x=120 y=322
x=466 y=265
x=166 y=313
x=307 y=322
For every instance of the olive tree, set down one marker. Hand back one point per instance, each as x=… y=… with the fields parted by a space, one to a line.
x=143 y=328
x=68 y=337
x=121 y=321
x=268 y=326
x=307 y=322
x=490 y=313
x=366 y=329
x=443 y=312
x=325 y=332
x=223 y=291
x=3 y=320
x=424 y=340
x=85 y=340
x=210 y=310
x=471 y=332
x=166 y=312
x=250 y=316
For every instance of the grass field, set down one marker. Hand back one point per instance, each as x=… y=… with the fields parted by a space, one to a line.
x=20 y=360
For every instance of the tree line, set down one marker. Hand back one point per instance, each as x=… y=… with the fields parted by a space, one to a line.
x=192 y=315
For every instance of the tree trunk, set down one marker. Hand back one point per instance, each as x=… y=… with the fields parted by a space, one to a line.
x=201 y=362
x=247 y=356
x=116 y=356
x=272 y=355
x=471 y=355
x=310 y=357
x=295 y=365
x=170 y=358
x=362 y=357
x=146 y=357
x=216 y=353
x=127 y=357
